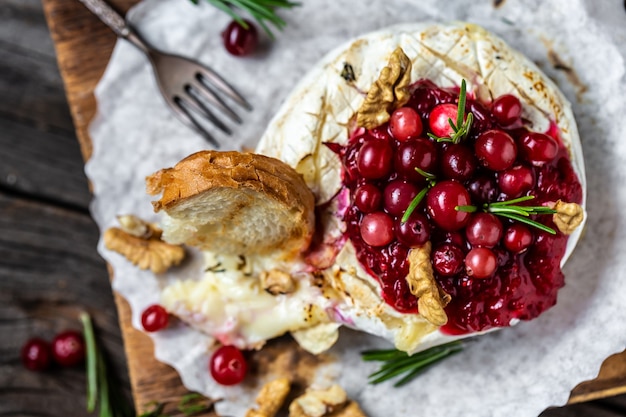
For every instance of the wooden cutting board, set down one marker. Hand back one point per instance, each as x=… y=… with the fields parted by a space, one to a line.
x=84 y=45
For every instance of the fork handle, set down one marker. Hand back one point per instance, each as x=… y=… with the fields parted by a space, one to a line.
x=115 y=22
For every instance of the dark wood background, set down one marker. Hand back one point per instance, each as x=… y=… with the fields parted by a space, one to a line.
x=49 y=268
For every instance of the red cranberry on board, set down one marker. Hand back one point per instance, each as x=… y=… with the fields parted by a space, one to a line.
x=538 y=148
x=416 y=153
x=36 y=354
x=377 y=229
x=238 y=40
x=495 y=150
x=68 y=348
x=483 y=189
x=405 y=124
x=441 y=202
x=154 y=318
x=228 y=365
x=480 y=263
x=374 y=159
x=518 y=238
x=483 y=229
x=506 y=109
x=447 y=259
x=439 y=120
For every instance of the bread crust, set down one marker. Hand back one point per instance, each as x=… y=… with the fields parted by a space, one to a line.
x=205 y=171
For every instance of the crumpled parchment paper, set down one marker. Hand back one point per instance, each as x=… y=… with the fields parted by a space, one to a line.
x=518 y=371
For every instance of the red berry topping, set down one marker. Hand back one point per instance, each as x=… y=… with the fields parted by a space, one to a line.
x=374 y=160
x=36 y=354
x=368 y=198
x=68 y=348
x=154 y=318
x=483 y=190
x=495 y=150
x=516 y=181
x=405 y=124
x=458 y=162
x=439 y=119
x=480 y=263
x=228 y=366
x=447 y=259
x=417 y=153
x=507 y=110
x=538 y=148
x=517 y=238
x=397 y=196
x=238 y=40
x=484 y=229
x=415 y=231
x=377 y=229
x=441 y=202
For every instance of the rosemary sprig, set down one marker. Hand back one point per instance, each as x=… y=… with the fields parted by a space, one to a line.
x=261 y=10
x=511 y=210
x=398 y=363
x=463 y=124
x=431 y=180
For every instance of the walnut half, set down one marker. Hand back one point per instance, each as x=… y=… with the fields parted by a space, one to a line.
x=332 y=401
x=568 y=216
x=140 y=243
x=277 y=282
x=271 y=397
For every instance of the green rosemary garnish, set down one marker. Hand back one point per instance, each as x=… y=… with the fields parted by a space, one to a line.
x=510 y=210
x=261 y=10
x=398 y=363
x=431 y=180
x=461 y=128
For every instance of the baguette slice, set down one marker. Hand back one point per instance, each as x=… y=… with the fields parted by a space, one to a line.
x=234 y=203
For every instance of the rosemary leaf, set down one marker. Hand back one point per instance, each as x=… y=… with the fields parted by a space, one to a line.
x=416 y=372
x=425 y=174
x=511 y=202
x=528 y=221
x=466 y=209
x=416 y=201
x=510 y=210
x=461 y=106
x=92 y=363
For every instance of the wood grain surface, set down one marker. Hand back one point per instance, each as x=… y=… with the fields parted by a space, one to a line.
x=49 y=269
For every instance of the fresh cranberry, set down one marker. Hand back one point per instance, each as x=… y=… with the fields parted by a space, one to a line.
x=377 y=229
x=405 y=124
x=374 y=160
x=397 y=196
x=68 y=348
x=517 y=238
x=516 y=181
x=495 y=150
x=368 y=198
x=238 y=40
x=381 y=132
x=458 y=162
x=154 y=318
x=228 y=365
x=441 y=202
x=506 y=109
x=416 y=153
x=439 y=120
x=36 y=354
x=447 y=259
x=538 y=148
x=483 y=229
x=483 y=189
x=480 y=263
x=415 y=231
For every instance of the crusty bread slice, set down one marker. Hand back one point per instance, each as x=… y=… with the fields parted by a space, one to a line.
x=234 y=203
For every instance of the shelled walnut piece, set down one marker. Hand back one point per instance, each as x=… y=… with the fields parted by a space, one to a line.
x=330 y=402
x=568 y=216
x=140 y=242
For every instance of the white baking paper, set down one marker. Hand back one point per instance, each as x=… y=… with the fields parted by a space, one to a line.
x=518 y=371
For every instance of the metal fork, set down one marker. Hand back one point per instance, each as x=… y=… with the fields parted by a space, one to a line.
x=184 y=83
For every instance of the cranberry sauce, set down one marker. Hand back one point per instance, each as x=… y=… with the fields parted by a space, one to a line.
x=495 y=269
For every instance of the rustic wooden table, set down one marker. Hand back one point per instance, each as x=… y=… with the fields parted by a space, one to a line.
x=49 y=268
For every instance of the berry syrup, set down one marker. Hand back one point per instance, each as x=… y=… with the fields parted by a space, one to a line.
x=523 y=284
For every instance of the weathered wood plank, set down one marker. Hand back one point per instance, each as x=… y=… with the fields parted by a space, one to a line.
x=23 y=24
x=42 y=163
x=49 y=273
